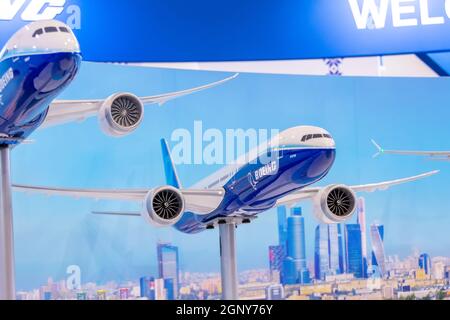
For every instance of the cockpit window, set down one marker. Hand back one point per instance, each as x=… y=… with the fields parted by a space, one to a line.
x=315 y=136
x=38 y=32
x=50 y=29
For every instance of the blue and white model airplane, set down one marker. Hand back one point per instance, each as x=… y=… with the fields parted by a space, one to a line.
x=37 y=64
x=303 y=156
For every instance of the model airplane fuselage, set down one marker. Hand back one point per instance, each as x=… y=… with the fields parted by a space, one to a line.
x=36 y=65
x=301 y=157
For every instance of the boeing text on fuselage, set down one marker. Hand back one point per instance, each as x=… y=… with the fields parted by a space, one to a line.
x=374 y=14
x=6 y=78
x=267 y=170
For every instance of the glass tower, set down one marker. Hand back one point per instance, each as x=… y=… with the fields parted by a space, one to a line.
x=168 y=266
x=353 y=248
x=378 y=254
x=321 y=256
x=282 y=239
x=147 y=287
x=276 y=258
x=333 y=248
x=328 y=252
x=425 y=263
x=295 y=269
x=361 y=220
x=341 y=245
x=282 y=226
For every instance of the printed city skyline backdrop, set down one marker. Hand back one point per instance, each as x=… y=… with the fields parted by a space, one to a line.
x=53 y=233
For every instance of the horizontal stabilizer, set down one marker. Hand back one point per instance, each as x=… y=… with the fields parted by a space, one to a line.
x=110 y=213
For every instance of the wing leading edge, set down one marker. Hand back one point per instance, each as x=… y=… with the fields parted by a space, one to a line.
x=64 y=111
x=197 y=201
x=309 y=193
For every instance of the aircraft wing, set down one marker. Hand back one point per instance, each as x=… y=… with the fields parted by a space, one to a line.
x=308 y=193
x=442 y=155
x=197 y=201
x=64 y=111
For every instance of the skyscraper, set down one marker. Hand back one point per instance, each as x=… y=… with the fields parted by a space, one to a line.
x=147 y=287
x=328 y=253
x=168 y=285
x=282 y=239
x=295 y=268
x=353 y=249
x=378 y=254
x=333 y=248
x=282 y=226
x=168 y=265
x=160 y=290
x=321 y=253
x=341 y=245
x=361 y=220
x=425 y=263
x=276 y=258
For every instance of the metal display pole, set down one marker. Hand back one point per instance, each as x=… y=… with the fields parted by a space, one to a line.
x=7 y=274
x=228 y=264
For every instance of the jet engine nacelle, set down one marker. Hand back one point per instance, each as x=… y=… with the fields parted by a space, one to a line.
x=163 y=206
x=335 y=204
x=121 y=114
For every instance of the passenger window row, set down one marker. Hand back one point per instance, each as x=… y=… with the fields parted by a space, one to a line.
x=40 y=32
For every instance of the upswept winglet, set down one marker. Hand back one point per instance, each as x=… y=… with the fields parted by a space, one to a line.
x=379 y=149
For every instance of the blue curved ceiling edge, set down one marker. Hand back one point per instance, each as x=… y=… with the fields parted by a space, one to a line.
x=235 y=30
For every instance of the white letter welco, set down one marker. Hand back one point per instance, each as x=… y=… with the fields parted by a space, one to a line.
x=398 y=9
x=10 y=8
x=43 y=10
x=369 y=9
x=447 y=8
x=425 y=15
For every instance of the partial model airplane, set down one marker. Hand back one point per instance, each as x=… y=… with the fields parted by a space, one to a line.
x=304 y=155
x=37 y=64
x=434 y=155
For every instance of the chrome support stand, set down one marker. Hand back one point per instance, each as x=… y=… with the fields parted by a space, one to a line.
x=7 y=273
x=228 y=263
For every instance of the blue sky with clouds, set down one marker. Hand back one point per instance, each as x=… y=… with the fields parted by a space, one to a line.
x=52 y=233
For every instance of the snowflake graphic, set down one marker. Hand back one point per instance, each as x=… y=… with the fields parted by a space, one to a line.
x=334 y=66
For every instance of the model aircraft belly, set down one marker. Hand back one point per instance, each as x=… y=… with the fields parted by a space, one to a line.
x=28 y=85
x=255 y=187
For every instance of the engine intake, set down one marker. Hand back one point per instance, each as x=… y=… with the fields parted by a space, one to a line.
x=121 y=114
x=164 y=206
x=335 y=204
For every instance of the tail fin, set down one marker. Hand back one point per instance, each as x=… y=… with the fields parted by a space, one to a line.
x=379 y=149
x=169 y=166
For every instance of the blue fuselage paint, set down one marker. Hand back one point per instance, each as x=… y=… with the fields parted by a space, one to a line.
x=30 y=83
x=248 y=194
